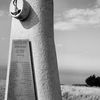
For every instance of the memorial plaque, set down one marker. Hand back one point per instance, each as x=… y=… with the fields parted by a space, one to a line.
x=21 y=78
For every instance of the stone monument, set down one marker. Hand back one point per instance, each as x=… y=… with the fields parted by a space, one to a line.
x=32 y=67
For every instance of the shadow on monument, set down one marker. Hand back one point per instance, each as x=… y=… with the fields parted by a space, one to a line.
x=32 y=63
x=31 y=20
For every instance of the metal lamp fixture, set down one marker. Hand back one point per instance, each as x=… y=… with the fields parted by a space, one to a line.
x=19 y=9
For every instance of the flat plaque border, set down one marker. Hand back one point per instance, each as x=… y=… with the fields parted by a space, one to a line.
x=20 y=49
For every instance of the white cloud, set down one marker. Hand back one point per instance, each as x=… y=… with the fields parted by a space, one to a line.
x=59 y=45
x=72 y=19
x=3 y=38
x=1 y=12
x=98 y=2
x=64 y=25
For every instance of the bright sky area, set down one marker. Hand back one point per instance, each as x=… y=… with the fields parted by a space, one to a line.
x=77 y=33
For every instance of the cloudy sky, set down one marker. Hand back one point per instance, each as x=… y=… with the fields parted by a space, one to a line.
x=77 y=33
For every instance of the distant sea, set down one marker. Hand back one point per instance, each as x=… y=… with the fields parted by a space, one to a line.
x=70 y=77
x=67 y=77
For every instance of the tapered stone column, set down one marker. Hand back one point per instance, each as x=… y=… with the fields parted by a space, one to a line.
x=37 y=27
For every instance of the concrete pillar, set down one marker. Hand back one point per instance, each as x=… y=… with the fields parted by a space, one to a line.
x=38 y=28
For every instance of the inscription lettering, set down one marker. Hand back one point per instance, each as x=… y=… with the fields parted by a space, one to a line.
x=21 y=85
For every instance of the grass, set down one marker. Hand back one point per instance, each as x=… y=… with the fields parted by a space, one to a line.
x=80 y=93
x=2 y=89
x=68 y=92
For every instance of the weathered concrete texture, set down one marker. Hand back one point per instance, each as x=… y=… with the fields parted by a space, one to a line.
x=38 y=28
